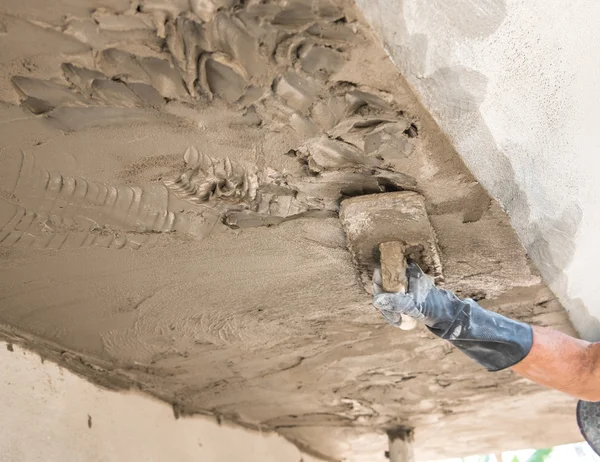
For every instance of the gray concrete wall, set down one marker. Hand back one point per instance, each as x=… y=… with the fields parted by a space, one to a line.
x=49 y=414
x=516 y=86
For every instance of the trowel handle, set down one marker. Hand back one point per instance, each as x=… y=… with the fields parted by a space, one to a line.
x=393 y=274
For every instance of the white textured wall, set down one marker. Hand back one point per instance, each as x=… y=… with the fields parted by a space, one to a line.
x=48 y=414
x=516 y=86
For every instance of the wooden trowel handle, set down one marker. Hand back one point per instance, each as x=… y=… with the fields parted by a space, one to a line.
x=393 y=274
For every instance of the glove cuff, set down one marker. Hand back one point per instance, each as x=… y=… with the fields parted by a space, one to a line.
x=494 y=341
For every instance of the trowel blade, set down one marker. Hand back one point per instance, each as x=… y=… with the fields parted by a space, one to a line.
x=396 y=216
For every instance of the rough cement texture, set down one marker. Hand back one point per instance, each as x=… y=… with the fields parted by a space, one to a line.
x=49 y=415
x=514 y=85
x=172 y=173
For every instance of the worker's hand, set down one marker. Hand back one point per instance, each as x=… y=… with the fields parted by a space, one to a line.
x=423 y=301
x=489 y=338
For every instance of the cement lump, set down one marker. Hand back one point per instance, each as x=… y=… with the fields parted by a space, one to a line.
x=169 y=197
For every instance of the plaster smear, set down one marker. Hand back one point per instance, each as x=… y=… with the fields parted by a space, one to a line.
x=169 y=197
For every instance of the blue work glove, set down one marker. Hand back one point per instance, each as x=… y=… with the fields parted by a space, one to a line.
x=493 y=340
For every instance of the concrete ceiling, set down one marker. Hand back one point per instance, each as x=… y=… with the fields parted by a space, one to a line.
x=171 y=178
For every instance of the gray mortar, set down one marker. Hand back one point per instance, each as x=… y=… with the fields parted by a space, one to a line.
x=169 y=222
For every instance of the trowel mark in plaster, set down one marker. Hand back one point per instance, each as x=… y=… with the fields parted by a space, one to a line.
x=247 y=196
x=244 y=195
x=60 y=211
x=249 y=45
x=231 y=55
x=206 y=178
x=50 y=210
x=238 y=56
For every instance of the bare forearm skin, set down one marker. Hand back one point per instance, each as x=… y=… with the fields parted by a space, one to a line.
x=564 y=363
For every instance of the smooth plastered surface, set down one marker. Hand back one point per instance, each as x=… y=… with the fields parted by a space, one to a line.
x=169 y=198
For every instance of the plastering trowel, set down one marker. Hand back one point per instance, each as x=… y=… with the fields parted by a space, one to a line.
x=388 y=229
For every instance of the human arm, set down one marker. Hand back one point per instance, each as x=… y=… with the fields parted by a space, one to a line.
x=559 y=361
x=543 y=355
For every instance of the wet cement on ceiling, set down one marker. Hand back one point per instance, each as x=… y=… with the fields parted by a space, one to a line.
x=169 y=195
